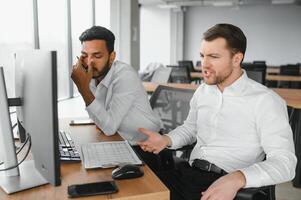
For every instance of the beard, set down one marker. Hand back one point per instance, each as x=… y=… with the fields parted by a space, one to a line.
x=216 y=80
x=101 y=74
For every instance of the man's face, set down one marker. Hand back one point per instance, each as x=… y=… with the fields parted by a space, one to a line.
x=217 y=61
x=95 y=53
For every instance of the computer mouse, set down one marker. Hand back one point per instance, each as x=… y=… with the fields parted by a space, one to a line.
x=127 y=171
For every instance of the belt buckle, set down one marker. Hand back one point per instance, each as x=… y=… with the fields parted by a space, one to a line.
x=209 y=168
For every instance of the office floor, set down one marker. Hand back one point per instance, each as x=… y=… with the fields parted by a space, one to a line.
x=286 y=191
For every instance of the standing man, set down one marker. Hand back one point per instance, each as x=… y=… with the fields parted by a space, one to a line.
x=241 y=127
x=115 y=98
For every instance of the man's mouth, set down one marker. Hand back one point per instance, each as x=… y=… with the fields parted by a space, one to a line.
x=206 y=73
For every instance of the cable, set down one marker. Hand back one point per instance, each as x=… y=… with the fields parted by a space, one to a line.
x=19 y=149
x=28 y=150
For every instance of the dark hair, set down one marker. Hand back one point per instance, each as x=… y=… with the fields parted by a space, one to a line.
x=235 y=38
x=99 y=33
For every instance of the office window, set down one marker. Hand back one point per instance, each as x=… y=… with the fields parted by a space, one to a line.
x=53 y=36
x=102 y=13
x=16 y=24
x=81 y=19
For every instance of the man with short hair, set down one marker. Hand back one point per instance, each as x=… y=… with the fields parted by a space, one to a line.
x=114 y=95
x=241 y=127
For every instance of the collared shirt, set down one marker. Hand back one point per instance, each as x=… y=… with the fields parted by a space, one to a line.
x=236 y=129
x=121 y=104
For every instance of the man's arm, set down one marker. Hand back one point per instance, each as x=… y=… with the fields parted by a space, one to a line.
x=82 y=79
x=225 y=187
x=276 y=138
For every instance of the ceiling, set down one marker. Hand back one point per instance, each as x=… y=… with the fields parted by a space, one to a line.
x=217 y=2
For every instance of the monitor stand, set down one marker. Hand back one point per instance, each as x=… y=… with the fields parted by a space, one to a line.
x=29 y=177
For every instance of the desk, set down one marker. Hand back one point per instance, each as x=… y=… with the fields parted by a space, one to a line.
x=283 y=78
x=291 y=96
x=148 y=187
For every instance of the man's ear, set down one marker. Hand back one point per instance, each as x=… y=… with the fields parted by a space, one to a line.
x=238 y=58
x=112 y=57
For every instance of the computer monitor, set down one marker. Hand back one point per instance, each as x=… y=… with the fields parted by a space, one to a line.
x=36 y=84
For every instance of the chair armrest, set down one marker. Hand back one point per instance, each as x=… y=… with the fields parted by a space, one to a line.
x=261 y=193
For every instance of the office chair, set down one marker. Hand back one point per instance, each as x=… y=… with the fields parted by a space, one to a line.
x=290 y=70
x=259 y=62
x=179 y=74
x=172 y=106
x=187 y=63
x=257 y=72
x=198 y=63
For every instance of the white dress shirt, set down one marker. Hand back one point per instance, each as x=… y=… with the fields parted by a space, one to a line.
x=237 y=128
x=121 y=104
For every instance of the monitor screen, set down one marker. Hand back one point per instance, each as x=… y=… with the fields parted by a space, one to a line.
x=36 y=85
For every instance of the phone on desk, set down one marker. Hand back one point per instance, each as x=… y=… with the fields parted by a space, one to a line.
x=89 y=189
x=77 y=122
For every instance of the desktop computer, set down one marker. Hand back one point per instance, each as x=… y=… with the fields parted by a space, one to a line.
x=36 y=85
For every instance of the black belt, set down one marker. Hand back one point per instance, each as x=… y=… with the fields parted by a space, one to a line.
x=207 y=166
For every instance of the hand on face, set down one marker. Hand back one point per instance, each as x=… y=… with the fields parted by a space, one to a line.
x=225 y=187
x=155 y=141
x=82 y=75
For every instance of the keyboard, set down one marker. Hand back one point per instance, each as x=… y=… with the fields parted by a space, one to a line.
x=67 y=149
x=108 y=154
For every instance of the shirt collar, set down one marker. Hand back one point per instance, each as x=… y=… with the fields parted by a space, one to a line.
x=236 y=88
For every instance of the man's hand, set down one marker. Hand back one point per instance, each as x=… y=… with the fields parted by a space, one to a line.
x=155 y=141
x=225 y=187
x=82 y=76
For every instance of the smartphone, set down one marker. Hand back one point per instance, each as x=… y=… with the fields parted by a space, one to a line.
x=78 y=122
x=89 y=189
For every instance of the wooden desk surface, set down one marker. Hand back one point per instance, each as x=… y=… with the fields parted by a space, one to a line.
x=147 y=187
x=291 y=96
x=283 y=78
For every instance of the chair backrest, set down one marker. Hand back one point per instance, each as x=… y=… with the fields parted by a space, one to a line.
x=161 y=75
x=259 y=62
x=257 y=72
x=179 y=74
x=171 y=105
x=291 y=70
x=198 y=63
x=187 y=63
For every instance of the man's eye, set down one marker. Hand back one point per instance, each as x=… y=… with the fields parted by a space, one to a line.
x=98 y=56
x=84 y=56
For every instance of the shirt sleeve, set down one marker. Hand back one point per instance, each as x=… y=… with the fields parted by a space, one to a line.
x=276 y=139
x=186 y=133
x=123 y=95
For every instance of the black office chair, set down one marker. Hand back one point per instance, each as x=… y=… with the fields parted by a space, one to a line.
x=198 y=63
x=257 y=72
x=179 y=74
x=290 y=70
x=172 y=106
x=187 y=63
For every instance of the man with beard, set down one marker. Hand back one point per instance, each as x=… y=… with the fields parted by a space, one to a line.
x=114 y=96
x=241 y=127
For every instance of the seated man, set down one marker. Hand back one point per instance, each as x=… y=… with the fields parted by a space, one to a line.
x=236 y=122
x=114 y=96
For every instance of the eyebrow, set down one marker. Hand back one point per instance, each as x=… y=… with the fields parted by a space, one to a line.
x=94 y=53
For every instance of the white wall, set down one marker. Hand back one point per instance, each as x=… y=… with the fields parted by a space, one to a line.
x=154 y=35
x=273 y=32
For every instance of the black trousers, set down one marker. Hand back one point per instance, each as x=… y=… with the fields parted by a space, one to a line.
x=187 y=182
x=183 y=181
x=161 y=162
